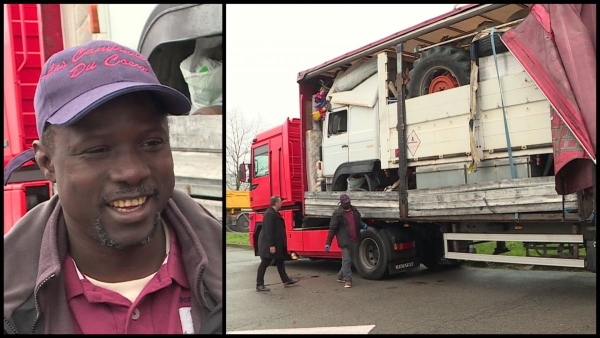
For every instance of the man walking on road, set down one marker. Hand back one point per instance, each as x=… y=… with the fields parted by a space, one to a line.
x=271 y=243
x=345 y=224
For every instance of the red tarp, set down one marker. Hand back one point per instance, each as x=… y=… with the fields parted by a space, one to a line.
x=556 y=44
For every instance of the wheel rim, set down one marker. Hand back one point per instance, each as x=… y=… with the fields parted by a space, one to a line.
x=243 y=222
x=438 y=79
x=442 y=82
x=369 y=254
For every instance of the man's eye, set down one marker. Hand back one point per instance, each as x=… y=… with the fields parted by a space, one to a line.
x=98 y=150
x=152 y=143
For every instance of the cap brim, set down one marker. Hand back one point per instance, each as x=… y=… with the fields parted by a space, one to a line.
x=175 y=102
x=17 y=162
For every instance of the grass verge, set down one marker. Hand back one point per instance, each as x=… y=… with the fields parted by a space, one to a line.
x=237 y=239
x=516 y=249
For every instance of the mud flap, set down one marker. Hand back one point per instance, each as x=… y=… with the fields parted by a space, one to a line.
x=590 y=254
x=403 y=265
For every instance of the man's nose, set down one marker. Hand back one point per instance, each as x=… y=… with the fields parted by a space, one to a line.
x=130 y=168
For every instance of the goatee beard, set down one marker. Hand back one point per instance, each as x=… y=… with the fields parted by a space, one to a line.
x=105 y=240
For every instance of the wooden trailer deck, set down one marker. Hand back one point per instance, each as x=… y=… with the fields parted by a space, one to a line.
x=535 y=199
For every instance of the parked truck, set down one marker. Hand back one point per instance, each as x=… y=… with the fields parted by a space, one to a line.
x=237 y=206
x=33 y=32
x=475 y=126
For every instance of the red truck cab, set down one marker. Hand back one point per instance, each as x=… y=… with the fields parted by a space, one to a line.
x=32 y=32
x=277 y=170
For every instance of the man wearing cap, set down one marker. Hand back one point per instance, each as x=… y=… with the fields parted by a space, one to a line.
x=345 y=224
x=117 y=250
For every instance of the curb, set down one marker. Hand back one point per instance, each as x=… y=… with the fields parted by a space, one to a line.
x=240 y=246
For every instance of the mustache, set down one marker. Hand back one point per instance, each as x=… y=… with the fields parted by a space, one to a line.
x=141 y=189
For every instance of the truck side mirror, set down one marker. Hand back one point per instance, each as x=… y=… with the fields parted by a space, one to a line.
x=242 y=173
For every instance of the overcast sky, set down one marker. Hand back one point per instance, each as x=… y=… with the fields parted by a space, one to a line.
x=268 y=45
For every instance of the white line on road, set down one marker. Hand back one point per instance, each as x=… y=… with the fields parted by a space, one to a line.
x=360 y=329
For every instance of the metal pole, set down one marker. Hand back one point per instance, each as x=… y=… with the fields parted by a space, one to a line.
x=401 y=127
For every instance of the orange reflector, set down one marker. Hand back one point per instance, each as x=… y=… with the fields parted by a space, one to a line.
x=404 y=246
x=518 y=227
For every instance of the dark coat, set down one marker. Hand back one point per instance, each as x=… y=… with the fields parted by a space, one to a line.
x=272 y=234
x=338 y=226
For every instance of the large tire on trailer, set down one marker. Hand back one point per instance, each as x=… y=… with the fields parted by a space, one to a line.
x=484 y=45
x=371 y=259
x=439 y=68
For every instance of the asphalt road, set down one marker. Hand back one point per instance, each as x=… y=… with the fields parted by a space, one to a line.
x=460 y=300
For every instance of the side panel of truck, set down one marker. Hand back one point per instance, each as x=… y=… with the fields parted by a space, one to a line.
x=14 y=205
x=25 y=52
x=23 y=61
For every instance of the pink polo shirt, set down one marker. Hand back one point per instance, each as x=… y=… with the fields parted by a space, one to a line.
x=163 y=306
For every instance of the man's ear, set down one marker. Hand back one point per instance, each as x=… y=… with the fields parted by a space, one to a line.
x=43 y=158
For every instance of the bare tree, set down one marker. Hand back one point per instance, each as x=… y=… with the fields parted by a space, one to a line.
x=240 y=131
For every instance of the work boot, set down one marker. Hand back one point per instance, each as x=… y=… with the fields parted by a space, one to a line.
x=348 y=284
x=290 y=282
x=341 y=280
x=260 y=288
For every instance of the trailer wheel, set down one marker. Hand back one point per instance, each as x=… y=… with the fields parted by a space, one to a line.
x=242 y=223
x=439 y=68
x=372 y=256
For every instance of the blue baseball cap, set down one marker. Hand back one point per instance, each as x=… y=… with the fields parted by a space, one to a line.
x=77 y=80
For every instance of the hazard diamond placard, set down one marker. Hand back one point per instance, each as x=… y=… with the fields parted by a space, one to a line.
x=412 y=143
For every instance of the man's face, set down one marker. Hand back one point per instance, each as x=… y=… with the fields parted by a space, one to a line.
x=346 y=206
x=114 y=171
x=278 y=204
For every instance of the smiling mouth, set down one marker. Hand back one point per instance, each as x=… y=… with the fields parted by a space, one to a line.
x=128 y=205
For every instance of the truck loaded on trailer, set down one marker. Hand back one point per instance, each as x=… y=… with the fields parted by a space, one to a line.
x=474 y=126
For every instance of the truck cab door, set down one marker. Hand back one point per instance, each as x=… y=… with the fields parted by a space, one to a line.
x=363 y=135
x=260 y=171
x=335 y=141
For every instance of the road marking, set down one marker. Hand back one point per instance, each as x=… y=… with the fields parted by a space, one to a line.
x=360 y=329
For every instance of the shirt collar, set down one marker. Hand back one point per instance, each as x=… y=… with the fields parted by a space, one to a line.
x=172 y=267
